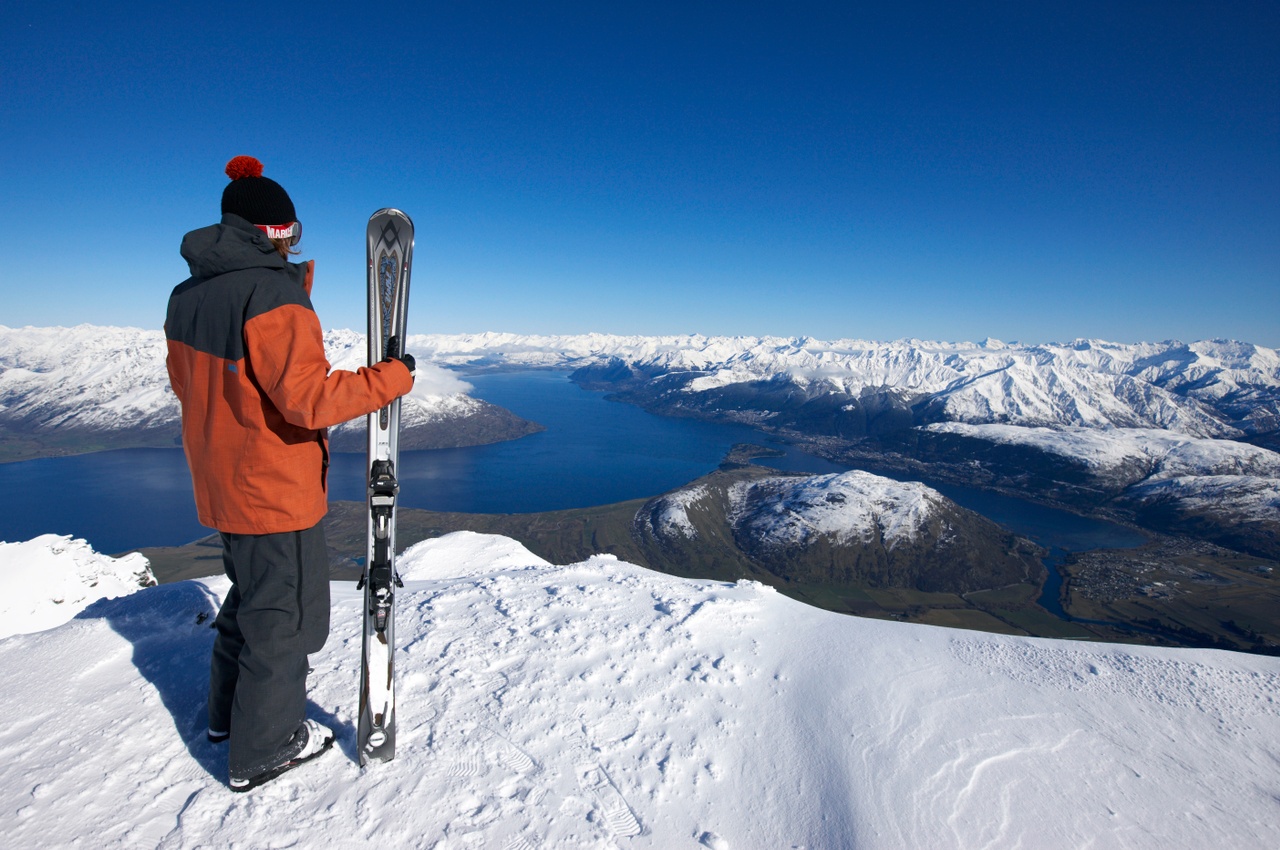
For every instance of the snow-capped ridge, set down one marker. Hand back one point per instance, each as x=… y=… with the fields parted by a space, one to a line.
x=105 y=380
x=1219 y=490
x=114 y=378
x=671 y=512
x=48 y=580
x=1160 y=453
x=848 y=507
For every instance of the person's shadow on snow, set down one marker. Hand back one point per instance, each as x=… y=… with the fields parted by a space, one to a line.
x=171 y=629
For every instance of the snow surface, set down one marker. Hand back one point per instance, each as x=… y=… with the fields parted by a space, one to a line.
x=672 y=512
x=46 y=581
x=851 y=506
x=601 y=705
x=1242 y=498
x=115 y=378
x=1165 y=454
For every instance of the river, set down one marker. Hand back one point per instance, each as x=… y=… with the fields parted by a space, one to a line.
x=1059 y=531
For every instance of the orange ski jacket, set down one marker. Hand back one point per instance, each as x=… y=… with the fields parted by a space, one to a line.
x=246 y=359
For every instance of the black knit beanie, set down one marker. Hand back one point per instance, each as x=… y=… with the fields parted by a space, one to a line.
x=251 y=196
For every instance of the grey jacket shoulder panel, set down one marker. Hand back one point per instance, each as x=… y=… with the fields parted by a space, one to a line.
x=236 y=274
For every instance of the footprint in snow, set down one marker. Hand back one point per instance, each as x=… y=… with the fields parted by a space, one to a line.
x=617 y=815
x=508 y=754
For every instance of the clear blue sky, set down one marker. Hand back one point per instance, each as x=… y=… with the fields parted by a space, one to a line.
x=1027 y=171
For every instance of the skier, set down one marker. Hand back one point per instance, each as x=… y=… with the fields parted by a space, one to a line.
x=246 y=359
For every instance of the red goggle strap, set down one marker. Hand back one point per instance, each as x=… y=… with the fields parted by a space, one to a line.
x=292 y=230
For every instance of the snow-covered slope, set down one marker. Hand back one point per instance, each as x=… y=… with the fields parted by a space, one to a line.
x=1219 y=489
x=46 y=581
x=851 y=507
x=1155 y=453
x=88 y=377
x=600 y=705
x=1241 y=500
x=91 y=379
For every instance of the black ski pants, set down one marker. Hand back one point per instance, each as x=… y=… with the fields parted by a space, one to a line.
x=276 y=612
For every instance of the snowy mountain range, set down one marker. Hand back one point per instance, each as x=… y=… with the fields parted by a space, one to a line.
x=88 y=387
x=113 y=379
x=76 y=389
x=601 y=705
x=1217 y=388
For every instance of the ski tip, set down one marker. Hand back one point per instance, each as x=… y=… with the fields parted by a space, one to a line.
x=391 y=211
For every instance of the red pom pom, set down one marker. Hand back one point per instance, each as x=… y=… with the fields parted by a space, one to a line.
x=243 y=166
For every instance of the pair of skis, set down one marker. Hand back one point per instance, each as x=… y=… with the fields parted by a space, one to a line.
x=390 y=258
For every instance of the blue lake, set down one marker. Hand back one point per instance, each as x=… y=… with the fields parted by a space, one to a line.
x=593 y=452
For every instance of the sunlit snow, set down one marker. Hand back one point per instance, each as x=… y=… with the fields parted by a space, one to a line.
x=601 y=705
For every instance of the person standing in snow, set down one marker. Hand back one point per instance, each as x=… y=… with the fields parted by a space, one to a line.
x=246 y=359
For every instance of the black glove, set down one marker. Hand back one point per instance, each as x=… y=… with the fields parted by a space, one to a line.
x=407 y=360
x=393 y=353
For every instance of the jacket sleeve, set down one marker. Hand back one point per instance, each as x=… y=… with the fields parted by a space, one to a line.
x=285 y=350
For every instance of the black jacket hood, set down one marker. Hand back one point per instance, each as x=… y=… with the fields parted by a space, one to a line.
x=232 y=245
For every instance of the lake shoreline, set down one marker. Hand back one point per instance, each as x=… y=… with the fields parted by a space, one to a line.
x=597 y=453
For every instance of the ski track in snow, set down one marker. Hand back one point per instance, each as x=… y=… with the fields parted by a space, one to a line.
x=601 y=705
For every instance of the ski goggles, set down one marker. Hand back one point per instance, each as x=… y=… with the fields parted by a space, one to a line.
x=291 y=231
